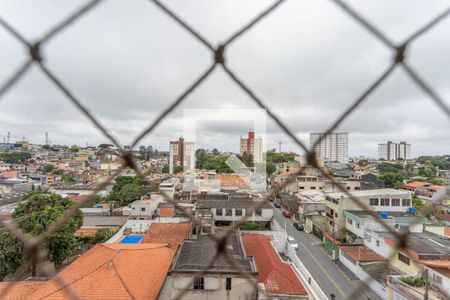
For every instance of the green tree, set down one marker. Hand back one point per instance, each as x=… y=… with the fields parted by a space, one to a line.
x=270 y=168
x=389 y=168
x=201 y=156
x=215 y=152
x=277 y=158
x=165 y=169
x=74 y=149
x=121 y=181
x=11 y=253
x=38 y=211
x=103 y=235
x=129 y=193
x=47 y=168
x=427 y=172
x=178 y=169
x=418 y=203
x=363 y=162
x=217 y=163
x=392 y=180
x=67 y=178
x=15 y=157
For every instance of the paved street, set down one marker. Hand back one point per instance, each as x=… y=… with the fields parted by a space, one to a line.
x=330 y=277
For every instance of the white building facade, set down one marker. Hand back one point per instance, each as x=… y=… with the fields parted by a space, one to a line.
x=333 y=147
x=394 y=151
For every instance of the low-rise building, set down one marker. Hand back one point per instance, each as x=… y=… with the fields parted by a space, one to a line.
x=387 y=200
x=359 y=221
x=310 y=203
x=222 y=280
x=278 y=279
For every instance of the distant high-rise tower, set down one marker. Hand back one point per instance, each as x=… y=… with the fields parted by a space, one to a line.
x=46 y=138
x=253 y=146
x=394 y=151
x=333 y=147
x=181 y=153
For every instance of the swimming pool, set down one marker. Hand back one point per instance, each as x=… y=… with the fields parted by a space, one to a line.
x=132 y=239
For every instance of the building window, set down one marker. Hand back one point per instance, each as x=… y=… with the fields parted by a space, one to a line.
x=219 y=212
x=313 y=187
x=142 y=208
x=384 y=202
x=378 y=243
x=335 y=214
x=348 y=188
x=349 y=221
x=357 y=225
x=373 y=201
x=199 y=284
x=406 y=202
x=395 y=202
x=258 y=212
x=228 y=284
x=302 y=187
x=403 y=259
x=228 y=212
x=238 y=212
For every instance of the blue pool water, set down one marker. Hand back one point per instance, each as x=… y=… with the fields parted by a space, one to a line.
x=132 y=239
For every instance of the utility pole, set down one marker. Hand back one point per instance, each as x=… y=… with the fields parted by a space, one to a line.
x=279 y=147
x=7 y=137
x=427 y=284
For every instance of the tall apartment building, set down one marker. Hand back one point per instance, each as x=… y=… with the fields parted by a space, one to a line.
x=252 y=145
x=333 y=147
x=181 y=153
x=394 y=151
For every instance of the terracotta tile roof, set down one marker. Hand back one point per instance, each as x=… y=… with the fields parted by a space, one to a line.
x=436 y=263
x=21 y=289
x=86 y=231
x=278 y=277
x=360 y=253
x=415 y=184
x=167 y=233
x=167 y=211
x=114 y=271
x=233 y=180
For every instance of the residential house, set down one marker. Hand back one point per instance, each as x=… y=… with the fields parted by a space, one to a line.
x=387 y=200
x=106 y=271
x=310 y=203
x=221 y=280
x=278 y=278
x=360 y=221
x=227 y=211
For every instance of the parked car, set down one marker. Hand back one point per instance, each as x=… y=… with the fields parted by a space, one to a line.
x=277 y=205
x=292 y=242
x=286 y=214
x=298 y=226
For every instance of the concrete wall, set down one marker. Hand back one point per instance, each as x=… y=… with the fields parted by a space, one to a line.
x=215 y=288
x=308 y=281
x=444 y=287
x=374 y=285
x=371 y=243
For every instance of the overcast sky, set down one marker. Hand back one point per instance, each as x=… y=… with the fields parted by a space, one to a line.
x=127 y=60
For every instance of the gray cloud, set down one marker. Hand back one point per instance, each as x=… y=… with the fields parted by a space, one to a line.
x=308 y=61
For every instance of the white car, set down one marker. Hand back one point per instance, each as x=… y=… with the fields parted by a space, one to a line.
x=292 y=242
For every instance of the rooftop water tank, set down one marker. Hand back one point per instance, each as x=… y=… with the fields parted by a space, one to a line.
x=412 y=210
